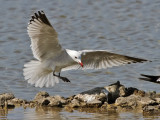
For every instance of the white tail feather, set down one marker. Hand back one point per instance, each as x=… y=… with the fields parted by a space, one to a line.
x=39 y=76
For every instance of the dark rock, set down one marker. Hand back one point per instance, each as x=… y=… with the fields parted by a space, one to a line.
x=130 y=91
x=114 y=91
x=9 y=105
x=45 y=102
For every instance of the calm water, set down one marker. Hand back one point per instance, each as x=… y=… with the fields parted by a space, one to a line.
x=59 y=114
x=123 y=26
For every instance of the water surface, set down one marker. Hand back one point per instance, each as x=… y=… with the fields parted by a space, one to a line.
x=121 y=26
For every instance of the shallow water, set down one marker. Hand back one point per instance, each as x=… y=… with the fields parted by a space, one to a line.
x=121 y=26
x=45 y=113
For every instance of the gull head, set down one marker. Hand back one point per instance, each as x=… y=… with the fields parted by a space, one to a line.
x=75 y=55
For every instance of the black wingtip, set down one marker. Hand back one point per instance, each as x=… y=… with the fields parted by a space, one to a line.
x=136 y=60
x=36 y=15
x=40 y=16
x=150 y=78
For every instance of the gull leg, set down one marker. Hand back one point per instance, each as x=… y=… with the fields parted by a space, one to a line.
x=62 y=78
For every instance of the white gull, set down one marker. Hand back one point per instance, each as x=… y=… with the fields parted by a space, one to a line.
x=52 y=58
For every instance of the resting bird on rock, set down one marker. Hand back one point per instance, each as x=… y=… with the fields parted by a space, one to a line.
x=52 y=58
x=150 y=78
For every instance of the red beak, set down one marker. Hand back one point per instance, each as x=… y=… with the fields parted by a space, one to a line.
x=81 y=64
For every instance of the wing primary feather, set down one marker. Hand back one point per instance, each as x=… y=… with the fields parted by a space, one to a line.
x=36 y=15
x=33 y=17
x=43 y=18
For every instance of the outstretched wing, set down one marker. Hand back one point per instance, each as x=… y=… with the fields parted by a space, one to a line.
x=44 y=38
x=98 y=59
x=150 y=78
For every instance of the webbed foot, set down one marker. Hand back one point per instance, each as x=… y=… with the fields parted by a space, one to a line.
x=62 y=78
x=65 y=79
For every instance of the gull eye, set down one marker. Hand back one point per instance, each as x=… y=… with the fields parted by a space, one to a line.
x=76 y=57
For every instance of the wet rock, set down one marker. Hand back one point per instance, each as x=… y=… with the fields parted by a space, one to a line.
x=128 y=102
x=114 y=97
x=94 y=103
x=53 y=102
x=17 y=101
x=4 y=97
x=75 y=103
x=69 y=99
x=91 y=99
x=151 y=94
x=147 y=101
x=151 y=110
x=134 y=101
x=9 y=105
x=97 y=96
x=7 y=96
x=41 y=98
x=109 y=107
x=41 y=95
x=69 y=108
x=139 y=93
x=157 y=100
x=32 y=104
x=61 y=99
x=56 y=101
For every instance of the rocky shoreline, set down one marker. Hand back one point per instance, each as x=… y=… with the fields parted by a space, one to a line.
x=114 y=97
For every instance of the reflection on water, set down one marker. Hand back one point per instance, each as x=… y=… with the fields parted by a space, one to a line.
x=43 y=113
x=122 y=26
x=3 y=113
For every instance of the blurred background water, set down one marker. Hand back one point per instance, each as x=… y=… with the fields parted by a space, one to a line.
x=129 y=27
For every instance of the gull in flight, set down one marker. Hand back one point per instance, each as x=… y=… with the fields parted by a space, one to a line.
x=51 y=58
x=150 y=78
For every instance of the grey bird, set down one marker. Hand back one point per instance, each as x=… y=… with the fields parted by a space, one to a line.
x=51 y=58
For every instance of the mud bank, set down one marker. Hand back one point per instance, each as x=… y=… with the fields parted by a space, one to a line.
x=114 y=97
